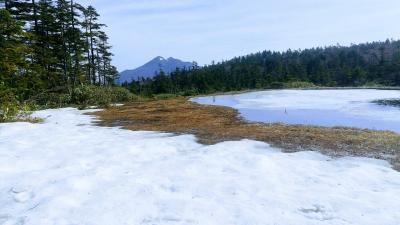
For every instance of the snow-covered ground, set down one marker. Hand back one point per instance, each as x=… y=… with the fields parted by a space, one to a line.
x=69 y=172
x=316 y=107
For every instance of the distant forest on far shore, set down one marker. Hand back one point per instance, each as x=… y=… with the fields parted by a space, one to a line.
x=369 y=64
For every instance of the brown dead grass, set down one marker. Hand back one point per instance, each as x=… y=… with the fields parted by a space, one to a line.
x=213 y=124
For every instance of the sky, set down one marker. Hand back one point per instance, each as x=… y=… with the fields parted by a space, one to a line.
x=215 y=30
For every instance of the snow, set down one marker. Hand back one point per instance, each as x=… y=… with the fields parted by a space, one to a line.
x=67 y=171
x=350 y=107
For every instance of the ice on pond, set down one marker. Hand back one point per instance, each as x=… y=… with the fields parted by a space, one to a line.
x=352 y=108
x=67 y=171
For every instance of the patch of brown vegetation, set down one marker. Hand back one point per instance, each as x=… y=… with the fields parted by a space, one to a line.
x=212 y=124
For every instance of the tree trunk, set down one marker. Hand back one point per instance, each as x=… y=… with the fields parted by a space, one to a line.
x=74 y=45
x=104 y=73
x=98 y=66
x=88 y=72
x=7 y=5
x=92 y=55
x=35 y=16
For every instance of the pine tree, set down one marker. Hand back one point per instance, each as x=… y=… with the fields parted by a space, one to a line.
x=13 y=52
x=92 y=27
x=64 y=44
x=106 y=71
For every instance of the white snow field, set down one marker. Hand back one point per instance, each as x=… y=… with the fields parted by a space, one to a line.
x=340 y=107
x=67 y=171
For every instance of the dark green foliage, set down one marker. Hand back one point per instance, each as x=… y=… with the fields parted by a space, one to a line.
x=164 y=96
x=53 y=54
x=357 y=65
x=120 y=94
x=299 y=84
x=8 y=104
x=83 y=96
x=52 y=100
x=11 y=109
x=48 y=48
x=14 y=63
x=277 y=85
x=90 y=95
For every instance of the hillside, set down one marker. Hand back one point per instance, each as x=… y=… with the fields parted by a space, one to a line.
x=152 y=67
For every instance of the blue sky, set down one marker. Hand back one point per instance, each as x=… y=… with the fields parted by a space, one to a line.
x=206 y=30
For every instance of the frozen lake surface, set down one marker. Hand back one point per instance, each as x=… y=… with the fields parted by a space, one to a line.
x=351 y=108
x=66 y=171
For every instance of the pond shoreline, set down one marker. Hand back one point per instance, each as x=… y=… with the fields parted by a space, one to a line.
x=214 y=124
x=310 y=88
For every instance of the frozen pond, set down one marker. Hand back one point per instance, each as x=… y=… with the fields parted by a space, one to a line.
x=350 y=108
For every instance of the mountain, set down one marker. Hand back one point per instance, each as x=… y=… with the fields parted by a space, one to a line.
x=149 y=69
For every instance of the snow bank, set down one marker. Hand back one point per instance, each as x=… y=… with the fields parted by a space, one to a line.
x=68 y=172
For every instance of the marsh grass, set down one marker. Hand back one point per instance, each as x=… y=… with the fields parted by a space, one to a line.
x=26 y=119
x=213 y=124
x=13 y=111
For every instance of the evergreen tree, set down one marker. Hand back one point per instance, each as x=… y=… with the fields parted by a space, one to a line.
x=53 y=45
x=12 y=49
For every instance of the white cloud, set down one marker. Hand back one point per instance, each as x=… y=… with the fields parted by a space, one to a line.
x=213 y=30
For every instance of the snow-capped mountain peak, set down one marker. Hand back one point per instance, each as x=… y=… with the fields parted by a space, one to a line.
x=152 y=67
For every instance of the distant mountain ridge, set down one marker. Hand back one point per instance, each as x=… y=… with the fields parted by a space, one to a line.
x=149 y=69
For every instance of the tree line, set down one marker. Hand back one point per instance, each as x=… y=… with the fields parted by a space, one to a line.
x=52 y=45
x=376 y=63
